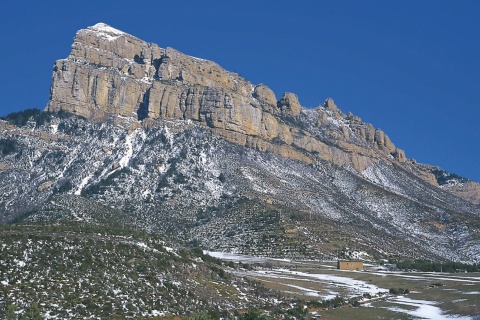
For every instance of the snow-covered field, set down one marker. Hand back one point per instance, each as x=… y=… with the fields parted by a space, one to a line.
x=320 y=283
x=422 y=309
x=240 y=257
x=329 y=285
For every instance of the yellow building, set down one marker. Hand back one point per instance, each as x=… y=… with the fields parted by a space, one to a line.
x=350 y=265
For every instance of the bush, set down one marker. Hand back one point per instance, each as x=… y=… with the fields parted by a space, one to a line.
x=8 y=146
x=430 y=266
x=201 y=316
x=63 y=187
x=298 y=312
x=221 y=177
x=252 y=314
x=21 y=118
x=398 y=291
x=197 y=251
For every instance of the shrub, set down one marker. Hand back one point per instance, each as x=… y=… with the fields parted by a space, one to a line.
x=8 y=146
x=197 y=251
x=201 y=316
x=252 y=314
x=221 y=177
x=398 y=291
x=21 y=118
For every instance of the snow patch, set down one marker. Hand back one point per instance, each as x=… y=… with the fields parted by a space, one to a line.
x=147 y=80
x=142 y=245
x=472 y=292
x=105 y=31
x=54 y=128
x=129 y=151
x=82 y=185
x=235 y=257
x=20 y=263
x=106 y=28
x=373 y=174
x=199 y=59
x=356 y=286
x=424 y=309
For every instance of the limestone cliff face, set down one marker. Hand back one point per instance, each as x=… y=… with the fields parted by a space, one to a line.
x=110 y=73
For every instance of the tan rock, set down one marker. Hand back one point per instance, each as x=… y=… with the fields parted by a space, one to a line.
x=136 y=71
x=422 y=171
x=289 y=104
x=382 y=141
x=110 y=73
x=353 y=117
x=265 y=95
x=330 y=104
x=399 y=155
x=469 y=191
x=45 y=185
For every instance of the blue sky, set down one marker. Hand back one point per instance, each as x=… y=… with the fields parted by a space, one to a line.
x=411 y=68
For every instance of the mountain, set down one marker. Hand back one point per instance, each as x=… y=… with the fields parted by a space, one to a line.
x=155 y=140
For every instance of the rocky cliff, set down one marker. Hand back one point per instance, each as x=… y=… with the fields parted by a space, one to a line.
x=111 y=74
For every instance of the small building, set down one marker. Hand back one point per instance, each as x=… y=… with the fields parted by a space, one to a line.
x=350 y=265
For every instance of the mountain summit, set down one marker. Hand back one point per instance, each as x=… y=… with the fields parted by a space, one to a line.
x=111 y=73
x=175 y=145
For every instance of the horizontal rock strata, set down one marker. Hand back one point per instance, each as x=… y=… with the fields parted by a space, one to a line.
x=110 y=73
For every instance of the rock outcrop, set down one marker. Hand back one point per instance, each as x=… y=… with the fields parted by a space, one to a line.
x=264 y=95
x=110 y=73
x=469 y=191
x=289 y=104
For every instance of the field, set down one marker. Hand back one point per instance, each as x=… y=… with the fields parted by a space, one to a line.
x=433 y=296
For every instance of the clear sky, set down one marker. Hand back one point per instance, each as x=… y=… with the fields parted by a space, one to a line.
x=410 y=67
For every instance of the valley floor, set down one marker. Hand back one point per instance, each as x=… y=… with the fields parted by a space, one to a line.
x=432 y=296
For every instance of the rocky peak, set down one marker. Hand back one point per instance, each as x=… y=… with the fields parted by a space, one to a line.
x=264 y=94
x=289 y=104
x=109 y=47
x=111 y=75
x=329 y=104
x=107 y=31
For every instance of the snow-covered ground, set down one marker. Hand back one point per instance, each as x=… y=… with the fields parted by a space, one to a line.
x=239 y=257
x=431 y=276
x=328 y=286
x=335 y=285
x=423 y=309
x=235 y=257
